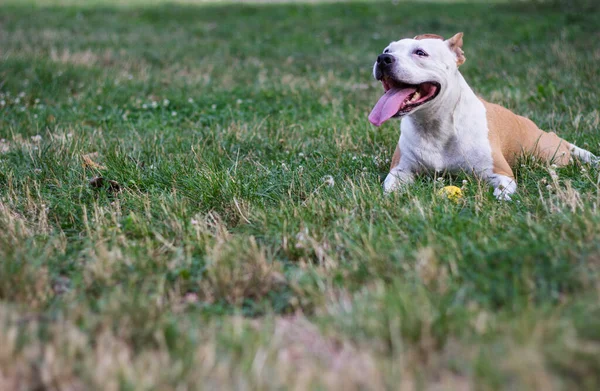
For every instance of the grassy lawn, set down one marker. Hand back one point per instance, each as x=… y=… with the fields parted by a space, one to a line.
x=190 y=198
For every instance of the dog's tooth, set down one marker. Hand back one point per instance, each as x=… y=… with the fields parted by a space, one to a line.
x=415 y=96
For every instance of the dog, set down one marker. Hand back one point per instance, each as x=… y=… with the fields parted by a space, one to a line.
x=446 y=127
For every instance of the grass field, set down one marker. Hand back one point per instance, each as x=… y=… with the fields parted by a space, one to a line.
x=190 y=198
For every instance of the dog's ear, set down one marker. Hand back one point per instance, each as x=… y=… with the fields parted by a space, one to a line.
x=455 y=43
x=428 y=36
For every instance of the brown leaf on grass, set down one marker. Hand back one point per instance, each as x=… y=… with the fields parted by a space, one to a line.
x=114 y=186
x=99 y=182
x=88 y=161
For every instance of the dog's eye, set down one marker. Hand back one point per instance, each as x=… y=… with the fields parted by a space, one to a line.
x=386 y=51
x=421 y=53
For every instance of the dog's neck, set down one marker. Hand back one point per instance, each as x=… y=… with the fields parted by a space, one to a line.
x=437 y=119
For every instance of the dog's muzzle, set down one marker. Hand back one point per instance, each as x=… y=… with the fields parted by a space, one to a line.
x=384 y=64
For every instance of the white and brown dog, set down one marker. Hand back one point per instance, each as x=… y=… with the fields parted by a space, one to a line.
x=446 y=127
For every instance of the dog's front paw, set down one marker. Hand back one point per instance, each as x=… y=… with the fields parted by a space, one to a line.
x=396 y=181
x=391 y=184
x=503 y=193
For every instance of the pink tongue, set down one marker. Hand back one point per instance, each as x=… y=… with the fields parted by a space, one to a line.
x=389 y=104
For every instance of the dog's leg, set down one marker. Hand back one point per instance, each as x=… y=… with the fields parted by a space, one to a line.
x=553 y=149
x=501 y=178
x=398 y=177
x=583 y=155
x=550 y=148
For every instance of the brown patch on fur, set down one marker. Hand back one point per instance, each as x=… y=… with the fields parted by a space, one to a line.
x=428 y=36
x=512 y=135
x=396 y=157
x=455 y=44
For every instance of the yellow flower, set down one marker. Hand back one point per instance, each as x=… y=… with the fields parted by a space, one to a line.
x=453 y=193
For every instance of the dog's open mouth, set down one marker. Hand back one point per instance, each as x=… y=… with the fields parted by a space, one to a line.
x=401 y=98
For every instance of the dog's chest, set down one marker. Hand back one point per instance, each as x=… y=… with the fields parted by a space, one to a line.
x=459 y=146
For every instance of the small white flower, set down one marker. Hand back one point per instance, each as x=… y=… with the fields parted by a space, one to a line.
x=583 y=169
x=21 y=94
x=190 y=100
x=194 y=222
x=364 y=169
x=154 y=104
x=354 y=157
x=166 y=102
x=22 y=108
x=301 y=154
x=549 y=187
x=213 y=106
x=329 y=181
x=2 y=102
x=69 y=135
x=553 y=166
x=130 y=77
x=35 y=116
x=239 y=101
x=173 y=113
x=37 y=171
x=36 y=101
x=99 y=108
x=440 y=179
x=464 y=182
x=36 y=139
x=144 y=106
x=18 y=100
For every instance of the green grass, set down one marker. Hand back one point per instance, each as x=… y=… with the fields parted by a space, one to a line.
x=245 y=241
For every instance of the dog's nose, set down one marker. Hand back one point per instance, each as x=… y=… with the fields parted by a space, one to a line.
x=384 y=60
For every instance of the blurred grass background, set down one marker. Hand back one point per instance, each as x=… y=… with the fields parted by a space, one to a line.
x=238 y=236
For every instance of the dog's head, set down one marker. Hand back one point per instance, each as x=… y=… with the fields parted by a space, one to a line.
x=413 y=73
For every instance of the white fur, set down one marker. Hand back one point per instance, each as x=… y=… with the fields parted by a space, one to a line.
x=448 y=133
x=583 y=155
